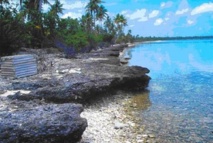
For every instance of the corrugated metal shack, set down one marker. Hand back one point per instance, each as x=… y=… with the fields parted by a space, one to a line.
x=18 y=66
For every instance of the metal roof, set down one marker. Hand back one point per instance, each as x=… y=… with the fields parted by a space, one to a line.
x=18 y=66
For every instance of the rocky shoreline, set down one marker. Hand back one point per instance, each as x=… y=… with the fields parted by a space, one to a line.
x=47 y=101
x=116 y=119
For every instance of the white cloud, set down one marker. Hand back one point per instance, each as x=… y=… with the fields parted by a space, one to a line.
x=67 y=5
x=75 y=5
x=205 y=7
x=179 y=12
x=138 y=14
x=124 y=12
x=158 y=21
x=190 y=22
x=166 y=4
x=72 y=15
x=162 y=4
x=153 y=14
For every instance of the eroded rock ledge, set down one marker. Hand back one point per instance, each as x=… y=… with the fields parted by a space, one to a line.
x=45 y=123
x=87 y=76
x=62 y=81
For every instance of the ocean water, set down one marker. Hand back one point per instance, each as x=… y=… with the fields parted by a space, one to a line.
x=181 y=89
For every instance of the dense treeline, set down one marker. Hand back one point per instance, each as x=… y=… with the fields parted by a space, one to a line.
x=26 y=25
x=141 y=39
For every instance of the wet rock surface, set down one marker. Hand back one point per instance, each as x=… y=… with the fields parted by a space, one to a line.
x=35 y=121
x=112 y=119
x=30 y=109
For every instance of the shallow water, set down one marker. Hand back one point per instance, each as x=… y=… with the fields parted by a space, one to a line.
x=181 y=89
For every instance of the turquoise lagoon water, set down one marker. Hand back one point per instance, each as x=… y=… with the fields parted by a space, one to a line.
x=181 y=89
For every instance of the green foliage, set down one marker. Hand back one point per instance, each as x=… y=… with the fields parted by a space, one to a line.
x=108 y=38
x=120 y=22
x=33 y=28
x=121 y=39
x=78 y=40
x=97 y=38
x=70 y=31
x=95 y=10
x=138 y=38
x=51 y=19
x=129 y=37
x=74 y=34
x=11 y=33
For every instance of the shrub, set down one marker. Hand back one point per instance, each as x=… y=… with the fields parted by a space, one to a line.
x=11 y=34
x=78 y=40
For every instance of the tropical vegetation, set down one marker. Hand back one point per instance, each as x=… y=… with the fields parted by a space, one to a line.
x=26 y=25
x=138 y=38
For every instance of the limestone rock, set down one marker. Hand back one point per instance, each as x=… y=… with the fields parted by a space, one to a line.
x=46 y=123
x=90 y=78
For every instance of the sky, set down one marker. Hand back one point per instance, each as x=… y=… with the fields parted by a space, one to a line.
x=154 y=17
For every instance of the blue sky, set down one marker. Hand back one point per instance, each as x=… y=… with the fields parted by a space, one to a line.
x=155 y=17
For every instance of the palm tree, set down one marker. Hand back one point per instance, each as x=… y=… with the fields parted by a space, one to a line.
x=35 y=4
x=11 y=29
x=121 y=22
x=101 y=13
x=51 y=18
x=86 y=22
x=129 y=36
x=109 y=30
x=109 y=26
x=92 y=7
x=31 y=9
x=56 y=8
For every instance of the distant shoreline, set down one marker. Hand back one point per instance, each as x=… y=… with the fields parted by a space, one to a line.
x=147 y=39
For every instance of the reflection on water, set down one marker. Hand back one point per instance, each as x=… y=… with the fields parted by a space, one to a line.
x=141 y=101
x=174 y=57
x=181 y=89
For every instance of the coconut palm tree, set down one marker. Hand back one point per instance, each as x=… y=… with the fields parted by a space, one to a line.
x=31 y=7
x=109 y=26
x=11 y=28
x=92 y=7
x=121 y=22
x=101 y=13
x=86 y=22
x=56 y=8
x=35 y=4
x=51 y=18
x=31 y=10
